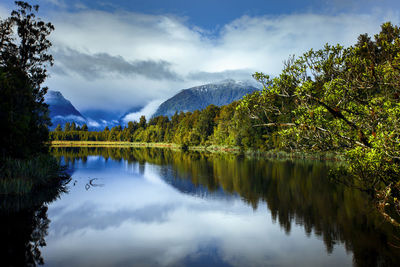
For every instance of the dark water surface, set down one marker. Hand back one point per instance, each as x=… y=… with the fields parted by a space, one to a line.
x=142 y=207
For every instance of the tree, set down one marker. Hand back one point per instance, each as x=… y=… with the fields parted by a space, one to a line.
x=58 y=128
x=206 y=123
x=84 y=127
x=142 y=122
x=23 y=61
x=67 y=127
x=30 y=52
x=342 y=99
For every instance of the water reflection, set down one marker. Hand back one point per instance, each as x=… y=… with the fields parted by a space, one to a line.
x=24 y=225
x=163 y=207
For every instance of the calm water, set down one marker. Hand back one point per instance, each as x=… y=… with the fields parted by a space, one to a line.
x=142 y=207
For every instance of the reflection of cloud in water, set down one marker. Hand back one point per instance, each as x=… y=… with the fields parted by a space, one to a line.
x=141 y=219
x=88 y=216
x=94 y=158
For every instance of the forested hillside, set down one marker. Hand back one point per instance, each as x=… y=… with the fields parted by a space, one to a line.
x=214 y=125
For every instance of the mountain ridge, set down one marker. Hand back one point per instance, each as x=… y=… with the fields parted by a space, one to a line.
x=62 y=110
x=199 y=97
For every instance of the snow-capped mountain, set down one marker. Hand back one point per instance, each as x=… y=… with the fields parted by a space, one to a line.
x=199 y=97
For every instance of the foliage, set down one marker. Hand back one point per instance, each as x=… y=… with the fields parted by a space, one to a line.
x=23 y=58
x=343 y=99
x=225 y=126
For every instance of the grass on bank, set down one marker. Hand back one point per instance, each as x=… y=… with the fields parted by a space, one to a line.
x=19 y=176
x=109 y=143
x=273 y=154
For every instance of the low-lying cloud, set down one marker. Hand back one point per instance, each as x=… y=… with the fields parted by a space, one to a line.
x=94 y=66
x=147 y=111
x=206 y=76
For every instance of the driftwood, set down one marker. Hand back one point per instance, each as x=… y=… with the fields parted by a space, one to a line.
x=91 y=184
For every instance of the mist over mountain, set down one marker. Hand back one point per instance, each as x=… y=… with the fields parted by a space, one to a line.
x=199 y=97
x=62 y=110
x=130 y=111
x=102 y=115
x=59 y=106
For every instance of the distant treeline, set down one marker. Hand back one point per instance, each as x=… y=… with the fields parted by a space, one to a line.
x=226 y=125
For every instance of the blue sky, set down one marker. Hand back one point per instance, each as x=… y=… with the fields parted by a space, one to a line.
x=208 y=14
x=212 y=14
x=115 y=55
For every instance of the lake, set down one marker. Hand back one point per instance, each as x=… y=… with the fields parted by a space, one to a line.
x=159 y=207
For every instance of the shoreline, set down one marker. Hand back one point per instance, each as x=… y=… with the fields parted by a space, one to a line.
x=328 y=156
x=109 y=144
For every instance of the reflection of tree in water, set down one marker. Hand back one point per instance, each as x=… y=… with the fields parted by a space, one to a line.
x=295 y=192
x=24 y=225
x=23 y=234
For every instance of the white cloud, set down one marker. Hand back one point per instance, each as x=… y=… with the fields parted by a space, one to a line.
x=59 y=3
x=92 y=123
x=71 y=118
x=245 y=45
x=147 y=111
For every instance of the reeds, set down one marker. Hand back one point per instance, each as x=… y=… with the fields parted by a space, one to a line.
x=22 y=176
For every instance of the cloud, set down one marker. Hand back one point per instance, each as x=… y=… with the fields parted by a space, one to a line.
x=148 y=222
x=58 y=3
x=241 y=74
x=93 y=66
x=93 y=123
x=147 y=111
x=70 y=118
x=115 y=60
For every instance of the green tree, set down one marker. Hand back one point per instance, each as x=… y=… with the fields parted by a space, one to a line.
x=84 y=127
x=142 y=122
x=67 y=127
x=73 y=126
x=342 y=99
x=23 y=61
x=58 y=128
x=206 y=123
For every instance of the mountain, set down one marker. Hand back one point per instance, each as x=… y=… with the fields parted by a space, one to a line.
x=98 y=119
x=61 y=110
x=199 y=97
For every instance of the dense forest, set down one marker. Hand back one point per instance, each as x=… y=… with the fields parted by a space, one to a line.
x=226 y=125
x=338 y=99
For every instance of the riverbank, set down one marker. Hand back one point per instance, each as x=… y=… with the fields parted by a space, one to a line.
x=210 y=149
x=110 y=144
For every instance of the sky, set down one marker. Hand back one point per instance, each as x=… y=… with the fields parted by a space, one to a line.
x=118 y=55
